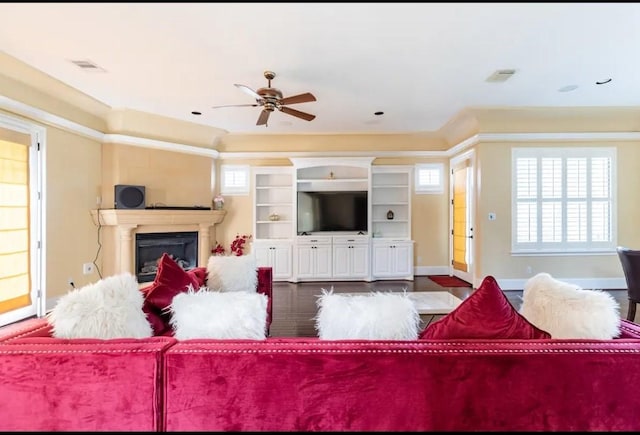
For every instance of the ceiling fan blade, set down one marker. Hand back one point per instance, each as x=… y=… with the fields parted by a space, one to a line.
x=249 y=91
x=299 y=114
x=236 y=105
x=302 y=98
x=264 y=117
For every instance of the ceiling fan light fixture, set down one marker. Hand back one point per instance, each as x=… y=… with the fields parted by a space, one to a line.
x=272 y=98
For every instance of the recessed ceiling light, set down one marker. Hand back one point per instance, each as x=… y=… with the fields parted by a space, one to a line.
x=196 y=113
x=568 y=88
x=378 y=113
x=603 y=82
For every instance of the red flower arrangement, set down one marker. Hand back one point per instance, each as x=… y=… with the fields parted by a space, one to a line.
x=218 y=250
x=237 y=246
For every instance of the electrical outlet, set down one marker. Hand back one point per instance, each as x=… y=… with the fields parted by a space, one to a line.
x=88 y=268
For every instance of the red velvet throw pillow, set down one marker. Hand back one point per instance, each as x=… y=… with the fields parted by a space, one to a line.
x=487 y=313
x=170 y=280
x=155 y=319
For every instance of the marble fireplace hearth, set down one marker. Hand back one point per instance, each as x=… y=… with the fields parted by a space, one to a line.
x=117 y=229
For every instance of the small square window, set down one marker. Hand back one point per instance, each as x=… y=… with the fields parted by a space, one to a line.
x=234 y=179
x=429 y=178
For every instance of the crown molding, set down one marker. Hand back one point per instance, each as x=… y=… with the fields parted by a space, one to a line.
x=158 y=144
x=47 y=118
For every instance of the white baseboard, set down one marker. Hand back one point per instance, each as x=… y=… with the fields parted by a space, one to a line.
x=430 y=270
x=586 y=283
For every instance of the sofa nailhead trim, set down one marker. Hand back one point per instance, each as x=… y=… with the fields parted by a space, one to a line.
x=414 y=351
x=7 y=352
x=420 y=343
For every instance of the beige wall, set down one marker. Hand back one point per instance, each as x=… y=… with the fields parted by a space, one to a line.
x=493 y=238
x=73 y=171
x=170 y=178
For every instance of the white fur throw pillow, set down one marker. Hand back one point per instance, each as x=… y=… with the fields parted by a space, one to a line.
x=567 y=311
x=231 y=273
x=108 y=308
x=215 y=314
x=374 y=316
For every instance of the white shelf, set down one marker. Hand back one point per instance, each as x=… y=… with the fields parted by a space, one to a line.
x=273 y=193
x=391 y=190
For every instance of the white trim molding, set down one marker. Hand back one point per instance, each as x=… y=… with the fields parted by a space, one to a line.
x=45 y=117
x=585 y=283
x=158 y=144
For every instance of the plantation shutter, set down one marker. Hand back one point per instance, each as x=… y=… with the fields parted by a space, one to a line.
x=563 y=201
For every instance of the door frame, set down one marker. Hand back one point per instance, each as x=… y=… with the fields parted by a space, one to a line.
x=470 y=155
x=37 y=221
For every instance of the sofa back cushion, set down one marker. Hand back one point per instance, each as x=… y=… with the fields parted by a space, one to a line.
x=486 y=313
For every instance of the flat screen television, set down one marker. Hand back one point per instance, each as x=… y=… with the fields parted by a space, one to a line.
x=332 y=211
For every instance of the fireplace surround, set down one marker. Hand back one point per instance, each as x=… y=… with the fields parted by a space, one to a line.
x=118 y=229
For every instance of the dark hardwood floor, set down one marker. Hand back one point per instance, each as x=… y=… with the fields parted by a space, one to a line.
x=294 y=305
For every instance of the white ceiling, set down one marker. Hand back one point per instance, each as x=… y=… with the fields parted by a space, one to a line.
x=419 y=63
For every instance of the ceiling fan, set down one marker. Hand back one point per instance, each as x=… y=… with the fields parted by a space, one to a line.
x=271 y=98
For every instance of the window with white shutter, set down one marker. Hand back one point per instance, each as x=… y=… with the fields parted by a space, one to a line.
x=429 y=178
x=563 y=200
x=234 y=179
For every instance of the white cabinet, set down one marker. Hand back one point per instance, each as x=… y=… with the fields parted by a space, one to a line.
x=313 y=258
x=391 y=201
x=273 y=197
x=274 y=254
x=392 y=259
x=351 y=257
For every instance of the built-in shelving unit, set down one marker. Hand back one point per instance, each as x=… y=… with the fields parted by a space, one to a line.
x=274 y=219
x=273 y=198
x=390 y=201
x=384 y=251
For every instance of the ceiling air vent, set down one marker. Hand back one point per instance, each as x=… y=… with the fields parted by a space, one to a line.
x=87 y=65
x=501 y=75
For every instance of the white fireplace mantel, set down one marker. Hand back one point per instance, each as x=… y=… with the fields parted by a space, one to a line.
x=119 y=252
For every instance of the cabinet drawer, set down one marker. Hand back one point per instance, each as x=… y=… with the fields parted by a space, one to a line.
x=313 y=240
x=351 y=240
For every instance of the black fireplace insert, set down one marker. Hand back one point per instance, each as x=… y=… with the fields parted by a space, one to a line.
x=181 y=246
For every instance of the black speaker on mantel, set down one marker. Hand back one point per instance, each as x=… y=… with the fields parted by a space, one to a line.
x=128 y=196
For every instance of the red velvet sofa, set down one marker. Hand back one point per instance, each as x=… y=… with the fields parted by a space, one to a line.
x=308 y=384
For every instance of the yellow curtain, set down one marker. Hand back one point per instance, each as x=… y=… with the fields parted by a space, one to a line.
x=15 y=273
x=460 y=217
